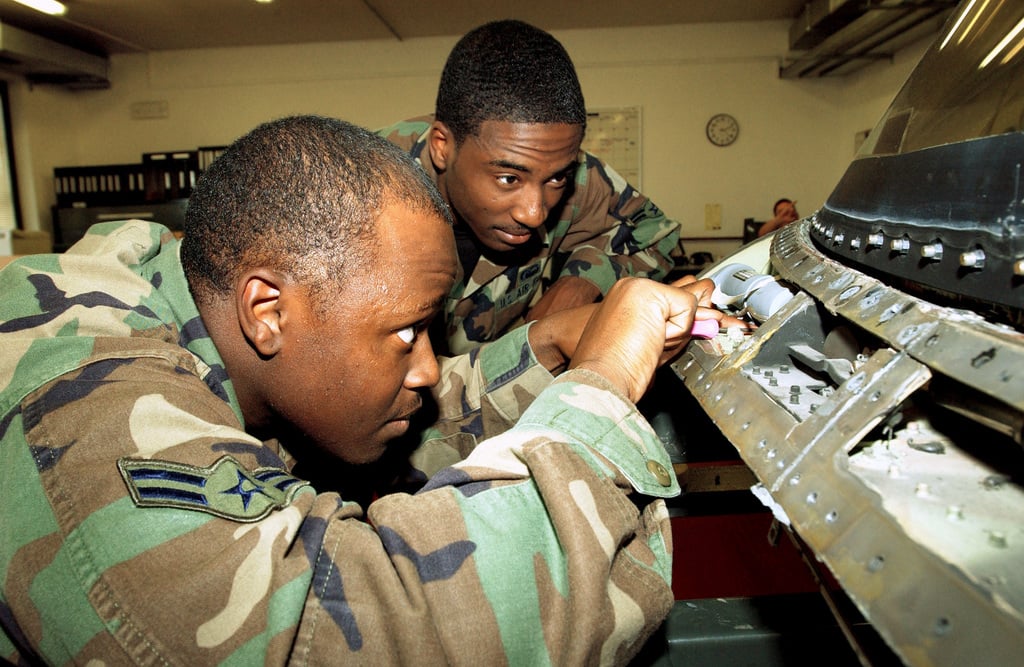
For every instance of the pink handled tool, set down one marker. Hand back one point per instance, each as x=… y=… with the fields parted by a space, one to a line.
x=704 y=329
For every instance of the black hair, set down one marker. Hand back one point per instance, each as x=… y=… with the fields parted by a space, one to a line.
x=300 y=195
x=508 y=71
x=781 y=201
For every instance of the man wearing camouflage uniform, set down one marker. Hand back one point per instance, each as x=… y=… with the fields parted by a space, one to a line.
x=540 y=225
x=157 y=398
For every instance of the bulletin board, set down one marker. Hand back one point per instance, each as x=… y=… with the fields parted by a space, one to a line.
x=614 y=136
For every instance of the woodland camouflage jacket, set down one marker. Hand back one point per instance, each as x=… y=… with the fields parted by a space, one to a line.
x=141 y=524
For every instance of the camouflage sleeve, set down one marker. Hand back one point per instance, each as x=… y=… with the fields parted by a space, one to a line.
x=481 y=394
x=407 y=134
x=142 y=525
x=559 y=565
x=146 y=526
x=616 y=231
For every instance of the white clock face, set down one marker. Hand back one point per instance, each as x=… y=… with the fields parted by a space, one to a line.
x=722 y=129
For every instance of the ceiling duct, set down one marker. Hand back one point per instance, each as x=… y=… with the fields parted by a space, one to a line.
x=42 y=61
x=836 y=37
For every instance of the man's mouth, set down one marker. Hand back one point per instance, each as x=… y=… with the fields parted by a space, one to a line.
x=515 y=236
x=407 y=415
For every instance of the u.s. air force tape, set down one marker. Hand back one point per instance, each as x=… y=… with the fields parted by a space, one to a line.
x=225 y=489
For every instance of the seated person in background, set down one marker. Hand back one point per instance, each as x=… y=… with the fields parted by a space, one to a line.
x=160 y=397
x=783 y=213
x=540 y=225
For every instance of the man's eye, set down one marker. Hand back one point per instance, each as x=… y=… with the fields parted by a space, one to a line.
x=507 y=179
x=407 y=335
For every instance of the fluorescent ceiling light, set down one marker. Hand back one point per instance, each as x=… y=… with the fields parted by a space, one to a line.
x=963 y=15
x=51 y=7
x=1001 y=45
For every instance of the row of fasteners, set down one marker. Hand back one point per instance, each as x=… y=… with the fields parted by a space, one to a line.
x=970 y=259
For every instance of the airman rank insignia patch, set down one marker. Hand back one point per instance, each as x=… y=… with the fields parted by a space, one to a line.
x=225 y=489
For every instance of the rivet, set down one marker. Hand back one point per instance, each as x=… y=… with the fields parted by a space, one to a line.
x=848 y=292
x=942 y=627
x=973 y=259
x=932 y=251
x=997 y=539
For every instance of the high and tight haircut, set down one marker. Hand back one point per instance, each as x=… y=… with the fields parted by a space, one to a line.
x=508 y=71
x=300 y=195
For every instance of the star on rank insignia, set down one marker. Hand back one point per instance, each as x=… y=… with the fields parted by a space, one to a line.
x=225 y=489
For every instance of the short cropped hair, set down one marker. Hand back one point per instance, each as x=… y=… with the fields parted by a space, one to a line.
x=775 y=206
x=508 y=71
x=300 y=195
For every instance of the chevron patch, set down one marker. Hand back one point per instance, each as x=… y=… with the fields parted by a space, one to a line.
x=225 y=489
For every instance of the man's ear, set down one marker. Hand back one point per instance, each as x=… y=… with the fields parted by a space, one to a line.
x=259 y=306
x=441 y=143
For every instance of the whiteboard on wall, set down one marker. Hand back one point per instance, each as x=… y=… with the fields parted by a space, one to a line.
x=613 y=134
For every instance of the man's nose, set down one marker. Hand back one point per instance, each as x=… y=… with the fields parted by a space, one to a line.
x=423 y=371
x=530 y=210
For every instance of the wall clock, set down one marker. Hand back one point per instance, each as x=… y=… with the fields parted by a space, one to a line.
x=722 y=129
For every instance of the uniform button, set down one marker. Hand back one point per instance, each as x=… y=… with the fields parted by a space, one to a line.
x=659 y=473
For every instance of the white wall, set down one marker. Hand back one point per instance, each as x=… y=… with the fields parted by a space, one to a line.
x=796 y=137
